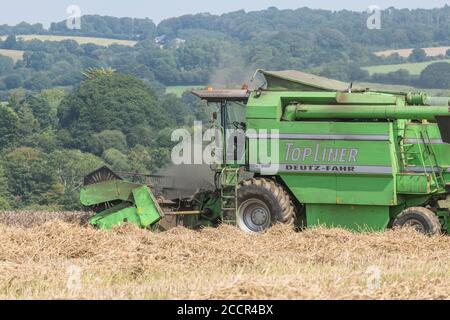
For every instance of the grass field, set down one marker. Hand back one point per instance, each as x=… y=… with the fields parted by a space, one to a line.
x=402 y=88
x=43 y=259
x=179 y=90
x=16 y=55
x=413 y=68
x=81 y=40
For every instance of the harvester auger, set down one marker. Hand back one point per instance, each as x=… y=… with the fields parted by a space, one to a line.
x=344 y=156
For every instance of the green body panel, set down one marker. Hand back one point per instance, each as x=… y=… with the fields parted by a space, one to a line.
x=414 y=183
x=330 y=189
x=116 y=217
x=263 y=113
x=320 y=127
x=358 y=218
x=311 y=188
x=106 y=191
x=375 y=190
x=146 y=206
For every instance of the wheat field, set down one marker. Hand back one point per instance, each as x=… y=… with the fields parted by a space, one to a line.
x=405 y=53
x=105 y=42
x=16 y=55
x=56 y=256
x=413 y=68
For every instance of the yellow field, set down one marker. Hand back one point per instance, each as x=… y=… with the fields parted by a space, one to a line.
x=16 y=55
x=431 y=52
x=81 y=40
x=42 y=259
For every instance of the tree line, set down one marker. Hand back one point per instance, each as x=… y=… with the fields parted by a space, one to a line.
x=223 y=49
x=50 y=140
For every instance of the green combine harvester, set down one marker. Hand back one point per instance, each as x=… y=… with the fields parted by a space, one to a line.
x=346 y=157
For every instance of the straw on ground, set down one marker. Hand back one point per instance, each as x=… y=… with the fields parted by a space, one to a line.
x=43 y=257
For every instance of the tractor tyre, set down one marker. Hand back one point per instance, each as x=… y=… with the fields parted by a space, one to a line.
x=420 y=218
x=263 y=203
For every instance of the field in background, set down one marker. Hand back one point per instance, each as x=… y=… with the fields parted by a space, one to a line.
x=16 y=55
x=43 y=259
x=179 y=90
x=402 y=88
x=405 y=53
x=413 y=68
x=81 y=40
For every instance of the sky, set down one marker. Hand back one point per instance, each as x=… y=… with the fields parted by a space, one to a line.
x=46 y=11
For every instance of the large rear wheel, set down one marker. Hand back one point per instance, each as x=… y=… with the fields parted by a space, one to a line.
x=419 y=218
x=263 y=203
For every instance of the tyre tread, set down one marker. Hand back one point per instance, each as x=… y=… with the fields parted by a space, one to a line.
x=426 y=213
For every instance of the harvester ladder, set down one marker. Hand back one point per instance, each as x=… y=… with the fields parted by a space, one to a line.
x=228 y=192
x=406 y=155
x=409 y=155
x=439 y=178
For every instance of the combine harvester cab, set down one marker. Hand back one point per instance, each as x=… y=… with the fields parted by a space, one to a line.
x=346 y=157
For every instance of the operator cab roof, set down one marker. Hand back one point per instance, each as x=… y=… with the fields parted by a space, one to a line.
x=223 y=94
